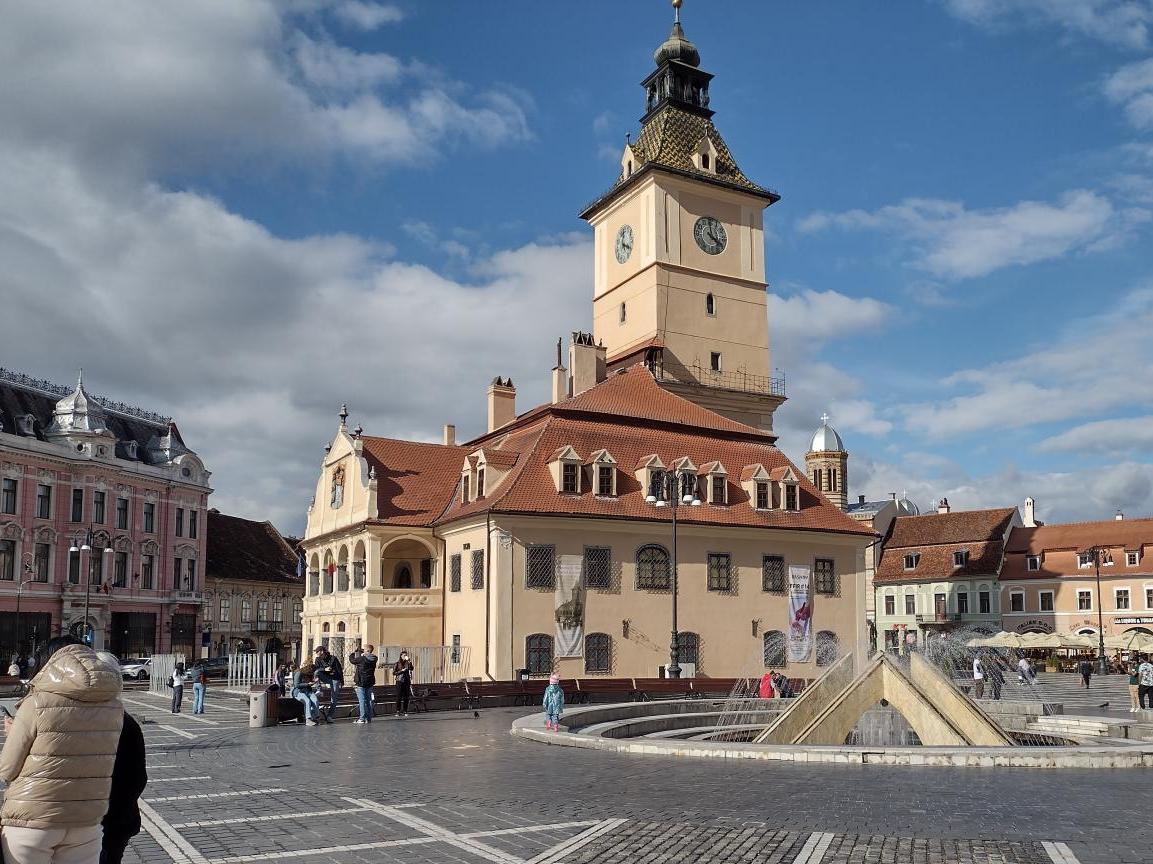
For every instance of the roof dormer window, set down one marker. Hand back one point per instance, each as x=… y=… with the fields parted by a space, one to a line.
x=1132 y=559
x=130 y=449
x=960 y=557
x=604 y=473
x=464 y=489
x=26 y=424
x=479 y=483
x=565 y=466
x=912 y=560
x=570 y=478
x=764 y=498
x=1033 y=562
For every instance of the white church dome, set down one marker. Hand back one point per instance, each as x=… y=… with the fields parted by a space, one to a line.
x=826 y=439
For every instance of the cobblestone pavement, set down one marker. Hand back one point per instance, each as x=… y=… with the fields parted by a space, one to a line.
x=453 y=788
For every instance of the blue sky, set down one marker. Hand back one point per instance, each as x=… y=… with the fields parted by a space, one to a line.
x=245 y=213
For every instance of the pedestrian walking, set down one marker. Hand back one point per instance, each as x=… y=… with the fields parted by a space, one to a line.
x=1086 y=670
x=1145 y=682
x=199 y=688
x=177 y=685
x=402 y=677
x=330 y=673
x=995 y=676
x=58 y=758
x=364 y=680
x=129 y=777
x=303 y=692
x=1025 y=672
x=782 y=686
x=978 y=678
x=765 y=688
x=553 y=703
x=1134 y=688
x=14 y=667
x=283 y=673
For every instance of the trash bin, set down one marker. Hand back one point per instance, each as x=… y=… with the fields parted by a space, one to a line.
x=522 y=674
x=263 y=706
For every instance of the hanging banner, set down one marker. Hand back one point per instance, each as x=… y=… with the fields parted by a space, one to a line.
x=569 y=606
x=800 y=614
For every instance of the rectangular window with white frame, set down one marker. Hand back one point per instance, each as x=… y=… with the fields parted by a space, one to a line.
x=1016 y=601
x=1084 y=559
x=1148 y=597
x=1045 y=601
x=1121 y=598
x=910 y=604
x=1132 y=559
x=1084 y=601
x=1033 y=562
x=912 y=560
x=960 y=557
x=890 y=604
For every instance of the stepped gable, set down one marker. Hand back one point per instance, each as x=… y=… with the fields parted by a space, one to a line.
x=631 y=417
x=414 y=480
x=1117 y=535
x=936 y=536
x=245 y=549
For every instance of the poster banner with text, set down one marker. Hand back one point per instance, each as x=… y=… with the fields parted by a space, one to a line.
x=800 y=614
x=569 y=606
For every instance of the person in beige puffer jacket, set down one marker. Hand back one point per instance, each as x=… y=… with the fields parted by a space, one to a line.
x=58 y=759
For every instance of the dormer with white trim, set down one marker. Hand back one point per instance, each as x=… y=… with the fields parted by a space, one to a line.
x=650 y=473
x=565 y=466
x=758 y=485
x=603 y=473
x=705 y=155
x=716 y=480
x=688 y=476
x=788 y=488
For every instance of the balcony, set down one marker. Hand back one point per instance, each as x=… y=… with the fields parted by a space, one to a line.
x=265 y=625
x=939 y=618
x=742 y=382
x=188 y=596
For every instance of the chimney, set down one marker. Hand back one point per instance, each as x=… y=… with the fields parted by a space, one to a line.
x=449 y=435
x=892 y=496
x=1119 y=516
x=501 y=403
x=1030 y=517
x=861 y=499
x=587 y=362
x=943 y=505
x=559 y=378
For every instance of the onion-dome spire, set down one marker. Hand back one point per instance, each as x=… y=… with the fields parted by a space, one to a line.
x=677 y=47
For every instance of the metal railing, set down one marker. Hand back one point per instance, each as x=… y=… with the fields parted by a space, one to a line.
x=724 y=380
x=48 y=388
x=939 y=618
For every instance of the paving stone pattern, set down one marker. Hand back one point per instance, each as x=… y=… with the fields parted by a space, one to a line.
x=451 y=788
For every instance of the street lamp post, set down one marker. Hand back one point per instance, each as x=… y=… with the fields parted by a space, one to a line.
x=672 y=497
x=87 y=547
x=1102 y=663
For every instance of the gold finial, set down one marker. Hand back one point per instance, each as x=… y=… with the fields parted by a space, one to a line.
x=677 y=12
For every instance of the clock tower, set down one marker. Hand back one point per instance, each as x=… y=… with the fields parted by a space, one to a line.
x=679 y=280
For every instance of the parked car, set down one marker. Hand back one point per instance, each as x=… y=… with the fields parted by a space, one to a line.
x=137 y=669
x=214 y=667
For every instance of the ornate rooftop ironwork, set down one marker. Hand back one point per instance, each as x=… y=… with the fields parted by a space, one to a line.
x=48 y=388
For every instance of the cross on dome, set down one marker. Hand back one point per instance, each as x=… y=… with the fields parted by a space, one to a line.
x=825 y=418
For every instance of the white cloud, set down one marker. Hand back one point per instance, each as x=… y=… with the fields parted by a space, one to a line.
x=1132 y=87
x=1113 y=437
x=1097 y=365
x=169 y=85
x=952 y=242
x=367 y=16
x=1119 y=22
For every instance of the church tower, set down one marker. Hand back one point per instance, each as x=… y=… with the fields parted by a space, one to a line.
x=679 y=278
x=828 y=464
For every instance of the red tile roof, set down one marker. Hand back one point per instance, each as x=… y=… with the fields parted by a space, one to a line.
x=936 y=536
x=1058 y=545
x=632 y=350
x=414 y=480
x=249 y=550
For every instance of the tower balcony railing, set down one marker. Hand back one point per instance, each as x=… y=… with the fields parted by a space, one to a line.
x=739 y=381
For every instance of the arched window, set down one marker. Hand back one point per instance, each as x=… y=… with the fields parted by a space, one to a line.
x=340 y=628
x=689 y=648
x=827 y=647
x=538 y=654
x=710 y=301
x=403 y=576
x=774 y=641
x=630 y=172
x=325 y=628
x=652 y=568
x=705 y=161
x=598 y=652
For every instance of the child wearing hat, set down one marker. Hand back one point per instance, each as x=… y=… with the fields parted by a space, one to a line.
x=553 y=703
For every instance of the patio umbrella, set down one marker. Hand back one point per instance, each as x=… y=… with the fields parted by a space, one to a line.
x=1133 y=640
x=1041 y=640
x=998 y=640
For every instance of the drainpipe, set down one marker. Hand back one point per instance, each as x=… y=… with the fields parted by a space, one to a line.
x=487 y=589
x=443 y=591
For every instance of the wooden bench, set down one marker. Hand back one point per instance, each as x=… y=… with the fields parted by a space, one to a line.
x=586 y=688
x=425 y=695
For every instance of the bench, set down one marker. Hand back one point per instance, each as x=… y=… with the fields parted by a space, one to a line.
x=455 y=694
x=11 y=687
x=586 y=688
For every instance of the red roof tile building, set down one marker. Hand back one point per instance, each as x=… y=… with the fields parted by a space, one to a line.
x=1049 y=578
x=539 y=545
x=939 y=572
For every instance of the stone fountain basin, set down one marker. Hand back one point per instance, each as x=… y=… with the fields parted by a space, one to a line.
x=580 y=729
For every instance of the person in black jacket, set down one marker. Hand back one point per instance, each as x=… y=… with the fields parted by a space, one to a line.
x=330 y=672
x=364 y=680
x=129 y=777
x=402 y=675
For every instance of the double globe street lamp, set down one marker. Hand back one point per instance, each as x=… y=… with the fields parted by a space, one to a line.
x=86 y=546
x=669 y=490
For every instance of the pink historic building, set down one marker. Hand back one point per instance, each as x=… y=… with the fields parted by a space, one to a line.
x=103 y=514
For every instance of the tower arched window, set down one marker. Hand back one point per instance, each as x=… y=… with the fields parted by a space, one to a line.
x=710 y=300
x=704 y=157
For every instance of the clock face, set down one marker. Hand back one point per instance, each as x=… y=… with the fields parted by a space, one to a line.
x=710 y=235
x=624 y=243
